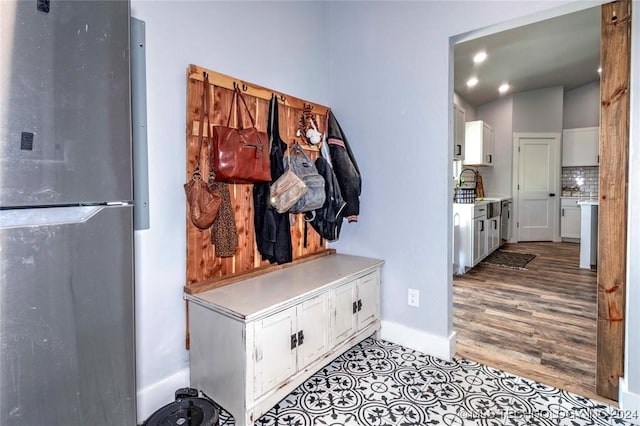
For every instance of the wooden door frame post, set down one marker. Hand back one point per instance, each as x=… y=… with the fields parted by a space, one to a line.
x=615 y=57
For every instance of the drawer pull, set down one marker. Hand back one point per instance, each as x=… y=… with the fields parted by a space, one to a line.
x=294 y=341
x=300 y=337
x=355 y=307
x=359 y=305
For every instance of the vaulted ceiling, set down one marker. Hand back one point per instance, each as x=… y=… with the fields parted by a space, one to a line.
x=563 y=51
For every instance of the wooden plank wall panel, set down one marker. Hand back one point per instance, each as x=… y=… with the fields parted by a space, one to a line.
x=204 y=269
x=612 y=212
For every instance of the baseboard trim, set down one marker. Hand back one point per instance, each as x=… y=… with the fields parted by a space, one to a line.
x=160 y=394
x=419 y=340
x=629 y=401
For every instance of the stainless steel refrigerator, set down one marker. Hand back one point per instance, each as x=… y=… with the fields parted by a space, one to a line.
x=66 y=238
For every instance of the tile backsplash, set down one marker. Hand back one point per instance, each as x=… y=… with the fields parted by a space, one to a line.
x=580 y=181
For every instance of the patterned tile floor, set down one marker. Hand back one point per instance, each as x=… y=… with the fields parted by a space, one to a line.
x=378 y=383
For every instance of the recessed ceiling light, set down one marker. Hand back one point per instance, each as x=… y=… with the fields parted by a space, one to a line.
x=503 y=88
x=480 y=57
x=472 y=82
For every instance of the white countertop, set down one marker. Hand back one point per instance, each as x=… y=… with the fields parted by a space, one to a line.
x=484 y=200
x=251 y=297
x=589 y=202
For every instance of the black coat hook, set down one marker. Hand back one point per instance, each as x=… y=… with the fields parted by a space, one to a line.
x=204 y=74
x=283 y=98
x=244 y=87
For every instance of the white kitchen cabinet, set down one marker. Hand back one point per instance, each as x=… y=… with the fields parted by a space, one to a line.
x=493 y=234
x=477 y=235
x=254 y=341
x=569 y=218
x=479 y=239
x=479 y=147
x=458 y=132
x=580 y=146
x=471 y=232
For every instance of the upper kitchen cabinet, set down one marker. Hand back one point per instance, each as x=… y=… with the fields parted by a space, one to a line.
x=479 y=144
x=580 y=146
x=458 y=132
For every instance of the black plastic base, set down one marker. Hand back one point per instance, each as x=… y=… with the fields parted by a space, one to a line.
x=186 y=410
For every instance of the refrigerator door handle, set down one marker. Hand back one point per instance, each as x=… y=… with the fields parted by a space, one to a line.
x=47 y=216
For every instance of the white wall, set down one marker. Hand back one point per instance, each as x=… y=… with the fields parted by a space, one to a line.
x=499 y=114
x=397 y=83
x=384 y=69
x=279 y=45
x=393 y=98
x=538 y=110
x=582 y=107
x=469 y=110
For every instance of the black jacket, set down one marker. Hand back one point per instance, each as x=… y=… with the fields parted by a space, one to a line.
x=273 y=236
x=345 y=167
x=327 y=220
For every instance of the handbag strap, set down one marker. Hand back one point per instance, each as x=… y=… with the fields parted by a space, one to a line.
x=238 y=94
x=203 y=104
x=273 y=125
x=207 y=107
x=299 y=151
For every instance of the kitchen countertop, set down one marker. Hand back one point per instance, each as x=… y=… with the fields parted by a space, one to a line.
x=593 y=201
x=483 y=201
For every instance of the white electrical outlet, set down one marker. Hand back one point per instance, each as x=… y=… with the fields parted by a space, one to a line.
x=413 y=297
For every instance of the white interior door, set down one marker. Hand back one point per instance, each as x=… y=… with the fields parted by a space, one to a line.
x=537 y=186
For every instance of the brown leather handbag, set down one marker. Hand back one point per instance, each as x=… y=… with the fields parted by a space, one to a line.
x=240 y=155
x=202 y=197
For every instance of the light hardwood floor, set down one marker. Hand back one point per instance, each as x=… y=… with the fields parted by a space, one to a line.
x=539 y=323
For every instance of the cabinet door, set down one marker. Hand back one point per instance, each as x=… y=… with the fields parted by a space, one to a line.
x=493 y=234
x=344 y=316
x=368 y=299
x=570 y=222
x=275 y=357
x=580 y=146
x=458 y=132
x=488 y=144
x=473 y=143
x=479 y=144
x=313 y=329
x=479 y=239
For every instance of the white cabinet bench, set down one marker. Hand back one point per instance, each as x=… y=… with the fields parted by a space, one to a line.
x=254 y=341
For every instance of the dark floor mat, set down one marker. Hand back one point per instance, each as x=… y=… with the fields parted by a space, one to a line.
x=508 y=259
